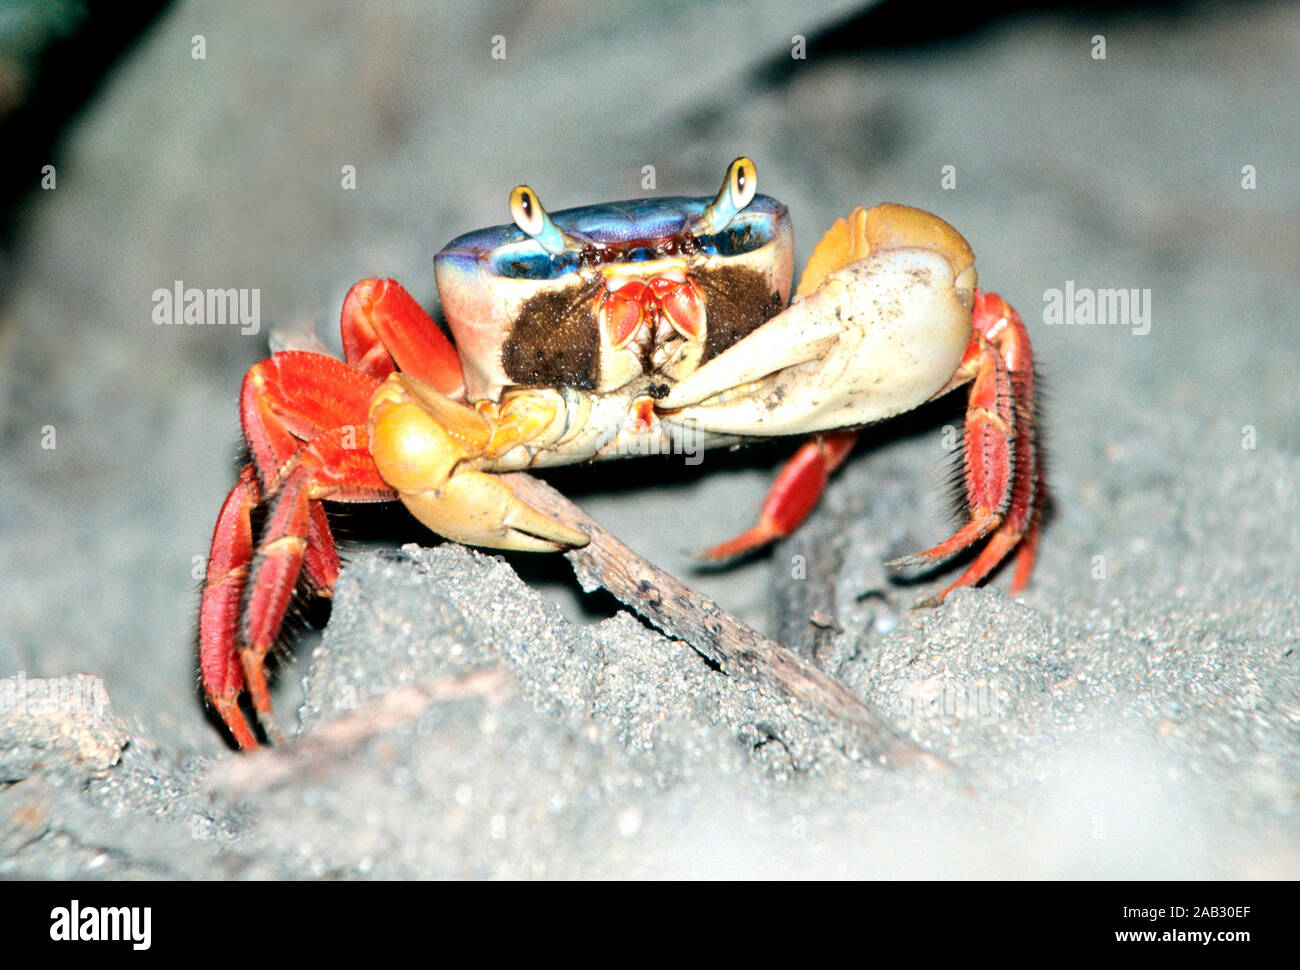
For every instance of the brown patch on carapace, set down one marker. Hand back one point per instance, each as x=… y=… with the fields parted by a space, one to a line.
x=738 y=300
x=556 y=340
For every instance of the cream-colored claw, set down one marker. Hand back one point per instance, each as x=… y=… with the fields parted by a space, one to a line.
x=873 y=338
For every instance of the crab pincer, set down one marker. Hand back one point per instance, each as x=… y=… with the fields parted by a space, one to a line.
x=431 y=449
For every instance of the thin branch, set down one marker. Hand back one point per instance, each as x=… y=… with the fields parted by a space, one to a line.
x=317 y=751
x=739 y=651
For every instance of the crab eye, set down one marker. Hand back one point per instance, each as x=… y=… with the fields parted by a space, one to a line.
x=742 y=180
x=526 y=209
x=737 y=191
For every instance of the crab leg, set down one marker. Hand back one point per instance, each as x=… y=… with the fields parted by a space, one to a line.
x=385 y=329
x=989 y=436
x=303 y=418
x=335 y=464
x=286 y=399
x=1027 y=551
x=1005 y=488
x=794 y=493
x=223 y=591
x=220 y=670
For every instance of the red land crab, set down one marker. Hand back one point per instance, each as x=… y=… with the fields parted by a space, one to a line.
x=615 y=329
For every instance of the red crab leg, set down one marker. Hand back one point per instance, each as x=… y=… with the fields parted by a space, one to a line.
x=1005 y=488
x=232 y=551
x=321 y=563
x=293 y=396
x=793 y=495
x=334 y=465
x=384 y=328
x=1027 y=551
x=304 y=419
x=287 y=398
x=223 y=590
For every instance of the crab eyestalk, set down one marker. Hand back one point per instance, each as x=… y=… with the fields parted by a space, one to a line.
x=738 y=189
x=526 y=209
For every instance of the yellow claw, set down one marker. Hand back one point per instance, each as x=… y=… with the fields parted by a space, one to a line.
x=887 y=226
x=431 y=449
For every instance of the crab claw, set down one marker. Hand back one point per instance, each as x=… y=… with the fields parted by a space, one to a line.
x=880 y=324
x=431 y=450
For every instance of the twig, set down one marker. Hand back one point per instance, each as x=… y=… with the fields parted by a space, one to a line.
x=319 y=750
x=739 y=651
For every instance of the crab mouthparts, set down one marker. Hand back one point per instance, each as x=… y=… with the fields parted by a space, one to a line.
x=650 y=314
x=615 y=280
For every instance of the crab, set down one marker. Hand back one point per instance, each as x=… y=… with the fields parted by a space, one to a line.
x=625 y=328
